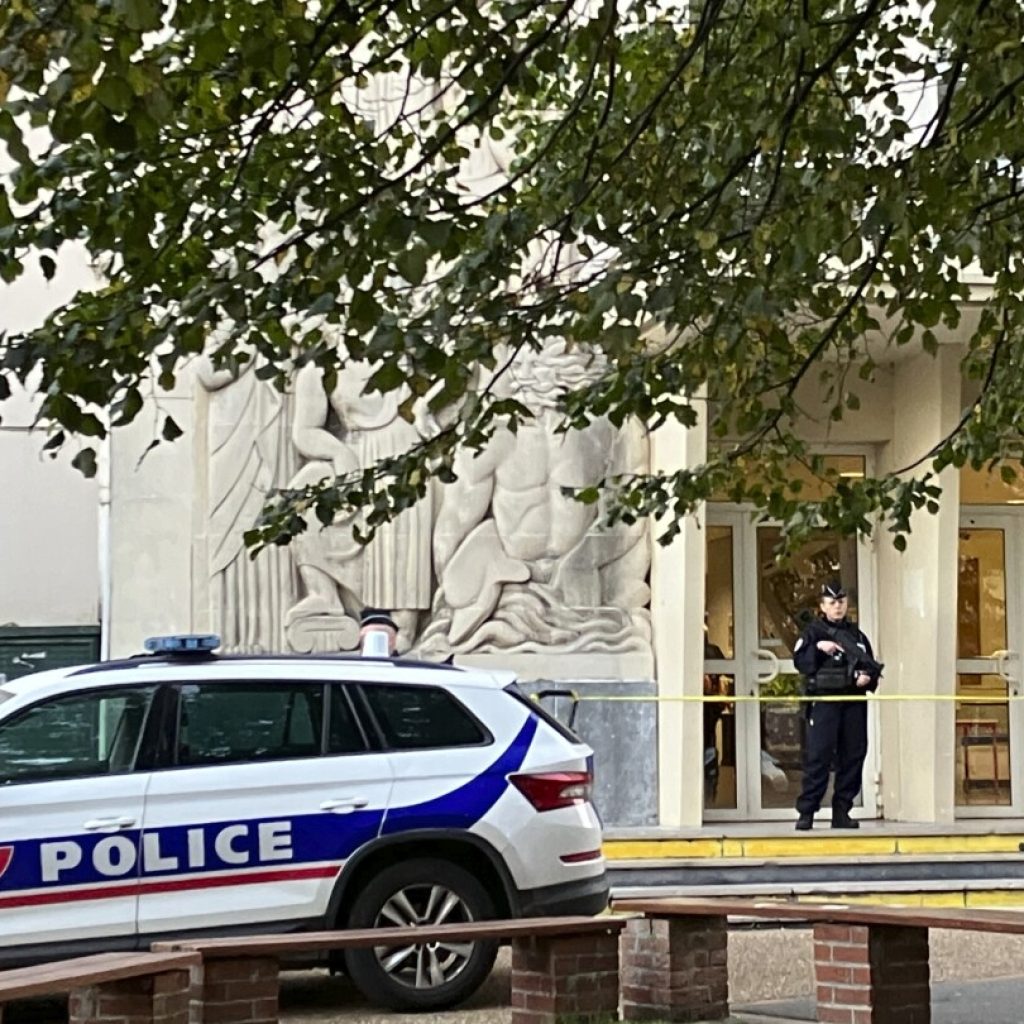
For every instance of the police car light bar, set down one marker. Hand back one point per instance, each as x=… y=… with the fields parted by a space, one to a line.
x=183 y=643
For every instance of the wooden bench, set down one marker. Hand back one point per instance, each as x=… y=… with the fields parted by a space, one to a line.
x=870 y=963
x=562 y=967
x=131 y=988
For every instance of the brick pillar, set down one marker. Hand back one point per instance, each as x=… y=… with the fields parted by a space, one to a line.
x=571 y=979
x=172 y=997
x=675 y=969
x=243 y=989
x=156 y=999
x=872 y=975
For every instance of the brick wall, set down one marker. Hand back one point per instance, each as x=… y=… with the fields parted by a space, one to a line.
x=675 y=970
x=244 y=989
x=570 y=980
x=872 y=975
x=159 y=999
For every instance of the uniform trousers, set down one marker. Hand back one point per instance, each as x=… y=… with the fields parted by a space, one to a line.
x=837 y=734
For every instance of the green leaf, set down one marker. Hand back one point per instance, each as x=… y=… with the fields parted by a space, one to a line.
x=115 y=94
x=140 y=15
x=388 y=377
x=85 y=462
x=171 y=431
x=323 y=304
x=851 y=250
x=364 y=311
x=706 y=240
x=412 y=265
x=435 y=233
x=10 y=133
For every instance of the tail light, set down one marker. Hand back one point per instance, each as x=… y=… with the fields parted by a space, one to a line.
x=548 y=791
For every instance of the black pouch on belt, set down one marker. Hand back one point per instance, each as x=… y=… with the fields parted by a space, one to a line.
x=835 y=677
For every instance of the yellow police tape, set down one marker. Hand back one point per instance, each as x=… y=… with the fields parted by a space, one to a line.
x=964 y=698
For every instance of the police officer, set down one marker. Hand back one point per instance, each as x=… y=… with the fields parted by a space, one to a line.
x=837 y=731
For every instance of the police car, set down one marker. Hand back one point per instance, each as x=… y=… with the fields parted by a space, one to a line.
x=186 y=793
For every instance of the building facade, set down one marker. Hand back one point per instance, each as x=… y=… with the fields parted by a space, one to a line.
x=52 y=520
x=501 y=570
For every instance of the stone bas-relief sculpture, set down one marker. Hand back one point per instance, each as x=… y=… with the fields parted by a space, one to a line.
x=507 y=564
x=248 y=455
x=340 y=433
x=521 y=568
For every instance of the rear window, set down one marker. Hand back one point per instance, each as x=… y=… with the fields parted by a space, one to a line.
x=542 y=713
x=421 y=717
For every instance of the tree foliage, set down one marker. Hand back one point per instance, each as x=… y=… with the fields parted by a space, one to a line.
x=721 y=198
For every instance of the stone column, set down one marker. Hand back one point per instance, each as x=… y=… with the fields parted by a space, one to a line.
x=151 y=528
x=677 y=617
x=917 y=605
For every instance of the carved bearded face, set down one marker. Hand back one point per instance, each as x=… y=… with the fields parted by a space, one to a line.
x=538 y=378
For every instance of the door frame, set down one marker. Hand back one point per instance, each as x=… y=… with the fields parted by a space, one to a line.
x=1010 y=520
x=748 y=658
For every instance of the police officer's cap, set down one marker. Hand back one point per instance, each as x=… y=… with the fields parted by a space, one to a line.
x=377 y=617
x=833 y=588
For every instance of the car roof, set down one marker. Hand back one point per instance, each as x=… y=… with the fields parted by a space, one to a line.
x=231 y=667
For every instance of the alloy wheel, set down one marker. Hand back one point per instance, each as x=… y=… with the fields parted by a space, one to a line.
x=428 y=964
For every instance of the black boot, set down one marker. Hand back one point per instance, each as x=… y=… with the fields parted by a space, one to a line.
x=805 y=823
x=843 y=820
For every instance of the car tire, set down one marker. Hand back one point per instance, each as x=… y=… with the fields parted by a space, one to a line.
x=432 y=976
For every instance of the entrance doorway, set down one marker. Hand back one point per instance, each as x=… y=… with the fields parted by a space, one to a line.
x=755 y=610
x=987 y=726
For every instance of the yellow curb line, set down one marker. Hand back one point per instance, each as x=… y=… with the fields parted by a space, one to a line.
x=832 y=846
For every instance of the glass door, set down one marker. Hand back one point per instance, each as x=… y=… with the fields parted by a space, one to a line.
x=755 y=610
x=987 y=726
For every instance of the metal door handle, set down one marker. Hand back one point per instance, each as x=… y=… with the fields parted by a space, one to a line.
x=773 y=665
x=111 y=824
x=344 y=806
x=1001 y=659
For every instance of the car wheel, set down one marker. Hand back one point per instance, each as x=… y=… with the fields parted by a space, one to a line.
x=426 y=976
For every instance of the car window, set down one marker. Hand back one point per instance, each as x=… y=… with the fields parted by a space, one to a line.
x=5 y=695
x=225 y=723
x=344 y=736
x=74 y=736
x=416 y=717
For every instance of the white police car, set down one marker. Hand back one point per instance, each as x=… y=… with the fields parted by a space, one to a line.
x=187 y=793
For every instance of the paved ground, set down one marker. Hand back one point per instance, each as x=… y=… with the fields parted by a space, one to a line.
x=770 y=973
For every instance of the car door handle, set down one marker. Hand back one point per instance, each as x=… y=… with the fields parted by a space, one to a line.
x=107 y=824
x=344 y=806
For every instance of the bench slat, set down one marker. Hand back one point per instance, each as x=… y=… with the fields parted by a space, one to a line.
x=62 y=976
x=1005 y=921
x=300 y=942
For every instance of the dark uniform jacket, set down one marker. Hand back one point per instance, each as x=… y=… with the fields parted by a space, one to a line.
x=809 y=660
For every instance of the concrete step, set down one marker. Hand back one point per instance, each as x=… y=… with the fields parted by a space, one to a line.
x=977 y=863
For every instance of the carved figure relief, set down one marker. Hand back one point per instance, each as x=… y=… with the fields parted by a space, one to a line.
x=249 y=454
x=521 y=567
x=336 y=434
